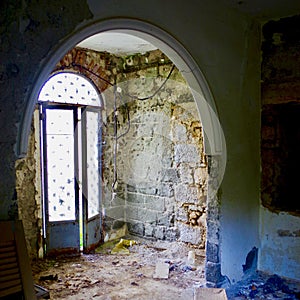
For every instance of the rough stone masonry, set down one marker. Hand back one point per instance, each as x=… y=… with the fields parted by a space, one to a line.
x=161 y=186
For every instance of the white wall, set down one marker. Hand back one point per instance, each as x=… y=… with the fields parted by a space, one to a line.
x=280 y=244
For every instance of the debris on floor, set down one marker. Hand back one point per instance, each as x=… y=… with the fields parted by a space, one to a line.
x=262 y=286
x=210 y=294
x=161 y=270
x=106 y=276
x=122 y=246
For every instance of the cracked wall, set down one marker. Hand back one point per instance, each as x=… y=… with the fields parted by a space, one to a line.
x=161 y=187
x=160 y=191
x=28 y=188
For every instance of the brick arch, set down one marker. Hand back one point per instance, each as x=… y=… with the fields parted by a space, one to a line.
x=77 y=60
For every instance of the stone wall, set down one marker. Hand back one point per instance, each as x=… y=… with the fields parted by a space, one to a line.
x=161 y=184
x=161 y=187
x=162 y=179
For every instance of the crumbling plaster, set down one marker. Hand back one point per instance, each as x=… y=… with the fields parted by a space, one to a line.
x=161 y=184
x=223 y=43
x=280 y=245
x=279 y=212
x=29 y=194
x=161 y=167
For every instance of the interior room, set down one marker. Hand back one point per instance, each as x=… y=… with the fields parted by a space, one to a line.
x=150 y=150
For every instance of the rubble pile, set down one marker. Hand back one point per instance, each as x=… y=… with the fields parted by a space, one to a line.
x=262 y=286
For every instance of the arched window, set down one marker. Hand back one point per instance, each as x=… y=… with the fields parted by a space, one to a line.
x=70 y=88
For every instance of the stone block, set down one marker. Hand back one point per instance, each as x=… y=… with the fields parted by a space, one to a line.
x=108 y=223
x=131 y=188
x=200 y=174
x=171 y=234
x=144 y=188
x=210 y=293
x=165 y=190
x=154 y=203
x=185 y=173
x=117 y=212
x=135 y=199
x=136 y=228
x=161 y=270
x=159 y=232
x=149 y=229
x=189 y=234
x=147 y=215
x=162 y=126
x=181 y=214
x=132 y=212
x=212 y=252
x=186 y=194
x=170 y=175
x=110 y=200
x=170 y=204
x=118 y=224
x=212 y=231
x=186 y=153
x=213 y=272
x=164 y=219
x=179 y=133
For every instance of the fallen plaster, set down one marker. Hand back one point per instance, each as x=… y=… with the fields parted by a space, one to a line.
x=107 y=276
x=142 y=274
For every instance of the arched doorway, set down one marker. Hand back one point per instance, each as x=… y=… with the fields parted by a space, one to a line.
x=70 y=108
x=214 y=139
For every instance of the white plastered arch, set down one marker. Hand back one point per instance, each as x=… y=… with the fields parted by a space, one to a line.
x=214 y=138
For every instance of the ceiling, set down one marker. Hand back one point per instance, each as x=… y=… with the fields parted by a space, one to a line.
x=122 y=44
x=264 y=10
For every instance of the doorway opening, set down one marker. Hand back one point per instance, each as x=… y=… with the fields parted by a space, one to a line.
x=180 y=162
x=70 y=112
x=149 y=159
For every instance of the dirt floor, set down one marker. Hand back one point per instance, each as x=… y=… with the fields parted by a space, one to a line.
x=107 y=276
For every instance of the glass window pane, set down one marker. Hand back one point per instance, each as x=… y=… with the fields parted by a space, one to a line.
x=93 y=178
x=69 y=88
x=60 y=164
